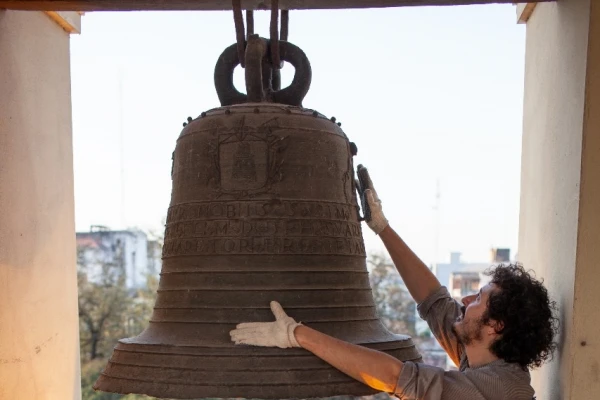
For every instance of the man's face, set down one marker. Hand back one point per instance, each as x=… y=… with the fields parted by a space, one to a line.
x=469 y=326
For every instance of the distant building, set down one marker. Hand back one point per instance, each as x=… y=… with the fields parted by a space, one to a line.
x=463 y=283
x=154 y=256
x=463 y=278
x=127 y=251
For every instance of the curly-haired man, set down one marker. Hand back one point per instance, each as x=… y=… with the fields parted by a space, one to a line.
x=495 y=336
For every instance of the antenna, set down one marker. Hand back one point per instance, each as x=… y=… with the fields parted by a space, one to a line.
x=122 y=140
x=436 y=208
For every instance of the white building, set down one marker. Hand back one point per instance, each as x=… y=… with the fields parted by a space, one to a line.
x=127 y=251
x=465 y=278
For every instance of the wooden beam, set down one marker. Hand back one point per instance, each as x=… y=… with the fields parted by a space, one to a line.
x=151 y=5
x=70 y=21
x=524 y=11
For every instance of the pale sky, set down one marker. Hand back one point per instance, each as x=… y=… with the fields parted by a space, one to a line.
x=426 y=93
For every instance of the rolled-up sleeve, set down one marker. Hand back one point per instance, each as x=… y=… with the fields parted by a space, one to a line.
x=419 y=381
x=440 y=311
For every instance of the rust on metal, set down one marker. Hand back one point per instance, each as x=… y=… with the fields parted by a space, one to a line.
x=256 y=51
x=274 y=34
x=249 y=23
x=285 y=22
x=277 y=34
x=238 y=20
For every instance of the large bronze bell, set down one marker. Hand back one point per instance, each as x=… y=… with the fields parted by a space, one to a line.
x=263 y=208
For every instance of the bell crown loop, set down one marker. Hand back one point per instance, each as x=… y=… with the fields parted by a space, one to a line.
x=262 y=79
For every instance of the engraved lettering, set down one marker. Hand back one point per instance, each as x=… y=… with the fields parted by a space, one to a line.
x=263 y=227
x=256 y=209
x=231 y=211
x=202 y=211
x=258 y=245
x=229 y=246
x=348 y=231
x=271 y=227
x=234 y=228
x=245 y=246
x=216 y=210
x=222 y=227
x=287 y=245
x=342 y=213
x=269 y=245
x=289 y=209
x=306 y=227
x=262 y=211
x=266 y=245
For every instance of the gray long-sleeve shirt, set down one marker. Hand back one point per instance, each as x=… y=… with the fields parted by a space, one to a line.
x=497 y=380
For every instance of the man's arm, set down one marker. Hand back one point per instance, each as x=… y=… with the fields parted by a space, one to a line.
x=373 y=368
x=419 y=279
x=434 y=302
x=408 y=381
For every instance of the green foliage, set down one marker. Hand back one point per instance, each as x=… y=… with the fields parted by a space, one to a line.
x=102 y=310
x=395 y=306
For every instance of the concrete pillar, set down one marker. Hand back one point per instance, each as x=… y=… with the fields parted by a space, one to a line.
x=560 y=186
x=39 y=340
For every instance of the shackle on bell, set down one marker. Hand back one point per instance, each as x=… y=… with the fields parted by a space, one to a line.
x=262 y=80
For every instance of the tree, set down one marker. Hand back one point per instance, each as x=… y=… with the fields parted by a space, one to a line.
x=103 y=300
x=395 y=306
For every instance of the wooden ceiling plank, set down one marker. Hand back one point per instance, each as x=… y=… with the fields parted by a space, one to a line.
x=164 y=5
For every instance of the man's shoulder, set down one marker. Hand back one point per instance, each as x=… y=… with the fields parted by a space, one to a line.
x=438 y=305
x=509 y=378
x=497 y=367
x=496 y=381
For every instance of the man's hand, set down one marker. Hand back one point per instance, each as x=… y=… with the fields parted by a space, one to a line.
x=279 y=333
x=371 y=204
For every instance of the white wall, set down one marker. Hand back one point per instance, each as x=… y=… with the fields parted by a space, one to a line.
x=560 y=191
x=39 y=339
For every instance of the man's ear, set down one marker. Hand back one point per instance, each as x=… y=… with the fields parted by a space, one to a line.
x=496 y=327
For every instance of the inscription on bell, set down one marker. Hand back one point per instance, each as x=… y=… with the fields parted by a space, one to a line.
x=237 y=227
x=243 y=165
x=262 y=227
x=262 y=245
x=260 y=209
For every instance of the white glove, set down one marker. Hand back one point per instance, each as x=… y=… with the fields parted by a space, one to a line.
x=279 y=333
x=371 y=203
